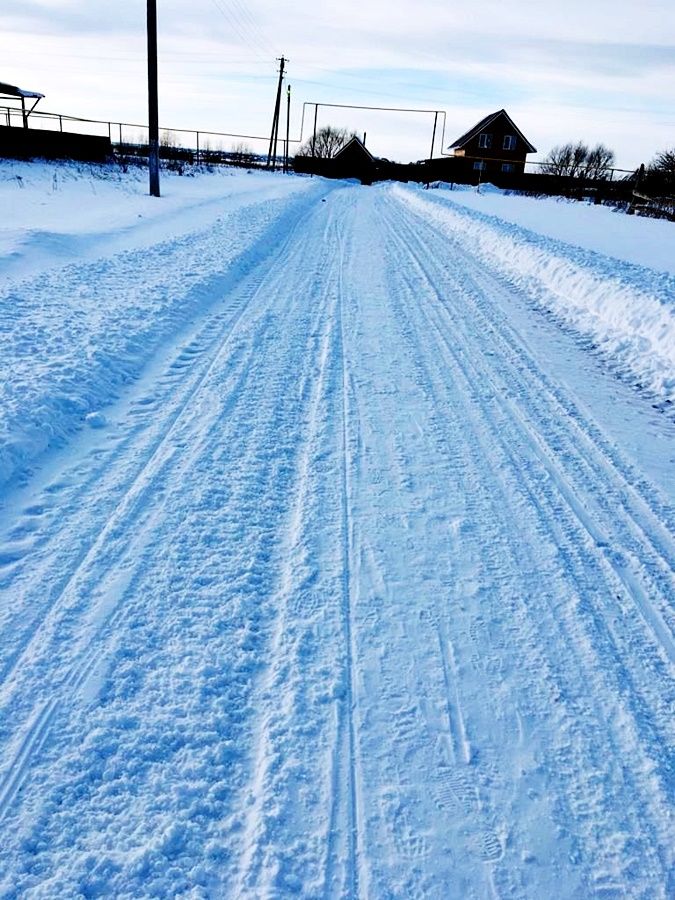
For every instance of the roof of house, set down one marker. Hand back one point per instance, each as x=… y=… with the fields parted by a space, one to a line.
x=12 y=91
x=483 y=124
x=361 y=146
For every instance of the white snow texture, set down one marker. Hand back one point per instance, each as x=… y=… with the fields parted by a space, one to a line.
x=337 y=546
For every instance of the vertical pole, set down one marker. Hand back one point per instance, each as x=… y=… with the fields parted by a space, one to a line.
x=433 y=137
x=197 y=148
x=288 y=125
x=316 y=112
x=23 y=113
x=120 y=132
x=153 y=100
x=60 y=123
x=272 y=153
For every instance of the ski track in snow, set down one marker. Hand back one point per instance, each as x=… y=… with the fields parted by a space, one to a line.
x=350 y=598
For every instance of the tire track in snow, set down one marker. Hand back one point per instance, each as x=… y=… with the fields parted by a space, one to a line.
x=462 y=788
x=629 y=501
x=288 y=671
x=458 y=783
x=29 y=745
x=176 y=403
x=348 y=564
x=607 y=552
x=98 y=616
x=478 y=383
x=397 y=549
x=73 y=596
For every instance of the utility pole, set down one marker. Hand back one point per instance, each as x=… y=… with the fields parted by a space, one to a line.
x=431 y=155
x=272 y=154
x=433 y=137
x=153 y=104
x=316 y=113
x=288 y=125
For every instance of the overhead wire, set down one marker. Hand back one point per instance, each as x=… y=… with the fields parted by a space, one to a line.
x=242 y=31
x=254 y=26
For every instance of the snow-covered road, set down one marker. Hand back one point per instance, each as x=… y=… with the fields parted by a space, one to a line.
x=360 y=592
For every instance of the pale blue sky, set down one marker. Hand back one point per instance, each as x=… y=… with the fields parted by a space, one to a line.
x=592 y=70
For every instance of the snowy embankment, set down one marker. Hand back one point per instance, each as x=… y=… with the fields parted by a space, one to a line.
x=626 y=311
x=72 y=333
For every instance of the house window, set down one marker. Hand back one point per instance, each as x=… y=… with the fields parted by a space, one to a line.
x=479 y=165
x=509 y=142
x=508 y=167
x=485 y=141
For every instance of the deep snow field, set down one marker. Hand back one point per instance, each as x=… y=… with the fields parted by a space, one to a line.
x=337 y=541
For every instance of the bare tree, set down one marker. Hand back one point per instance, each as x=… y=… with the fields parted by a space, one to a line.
x=662 y=167
x=241 y=153
x=599 y=161
x=565 y=159
x=579 y=161
x=329 y=142
x=168 y=139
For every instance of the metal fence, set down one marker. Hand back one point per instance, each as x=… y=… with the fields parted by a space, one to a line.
x=131 y=139
x=645 y=195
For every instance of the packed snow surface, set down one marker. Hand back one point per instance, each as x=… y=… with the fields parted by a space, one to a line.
x=337 y=547
x=634 y=239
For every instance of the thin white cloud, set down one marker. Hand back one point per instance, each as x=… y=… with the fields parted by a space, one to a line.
x=563 y=70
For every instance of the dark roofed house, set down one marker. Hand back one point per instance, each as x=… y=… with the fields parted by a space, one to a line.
x=354 y=161
x=495 y=145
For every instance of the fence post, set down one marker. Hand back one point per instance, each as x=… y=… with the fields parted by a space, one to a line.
x=197 y=160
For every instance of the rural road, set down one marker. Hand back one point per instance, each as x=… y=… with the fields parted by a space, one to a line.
x=354 y=596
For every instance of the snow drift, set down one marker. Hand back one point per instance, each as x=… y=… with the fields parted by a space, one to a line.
x=627 y=311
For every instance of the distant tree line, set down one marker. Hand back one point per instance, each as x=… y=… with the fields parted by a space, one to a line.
x=661 y=170
x=328 y=142
x=579 y=161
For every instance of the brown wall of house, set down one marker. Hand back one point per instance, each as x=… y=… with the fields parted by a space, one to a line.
x=496 y=155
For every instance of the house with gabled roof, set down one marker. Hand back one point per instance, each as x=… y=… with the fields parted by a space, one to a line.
x=354 y=160
x=495 y=145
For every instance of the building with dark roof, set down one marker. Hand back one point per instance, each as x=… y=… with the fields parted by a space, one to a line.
x=495 y=145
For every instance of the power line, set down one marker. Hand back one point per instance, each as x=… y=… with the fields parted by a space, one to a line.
x=254 y=25
x=241 y=31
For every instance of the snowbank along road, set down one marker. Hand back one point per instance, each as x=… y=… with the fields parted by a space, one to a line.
x=364 y=588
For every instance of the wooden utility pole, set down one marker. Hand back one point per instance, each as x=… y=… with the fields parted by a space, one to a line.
x=153 y=102
x=272 y=154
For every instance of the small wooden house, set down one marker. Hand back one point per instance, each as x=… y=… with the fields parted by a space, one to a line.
x=495 y=145
x=354 y=160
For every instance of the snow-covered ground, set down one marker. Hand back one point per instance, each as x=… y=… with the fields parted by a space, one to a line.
x=626 y=310
x=71 y=336
x=641 y=241
x=337 y=546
